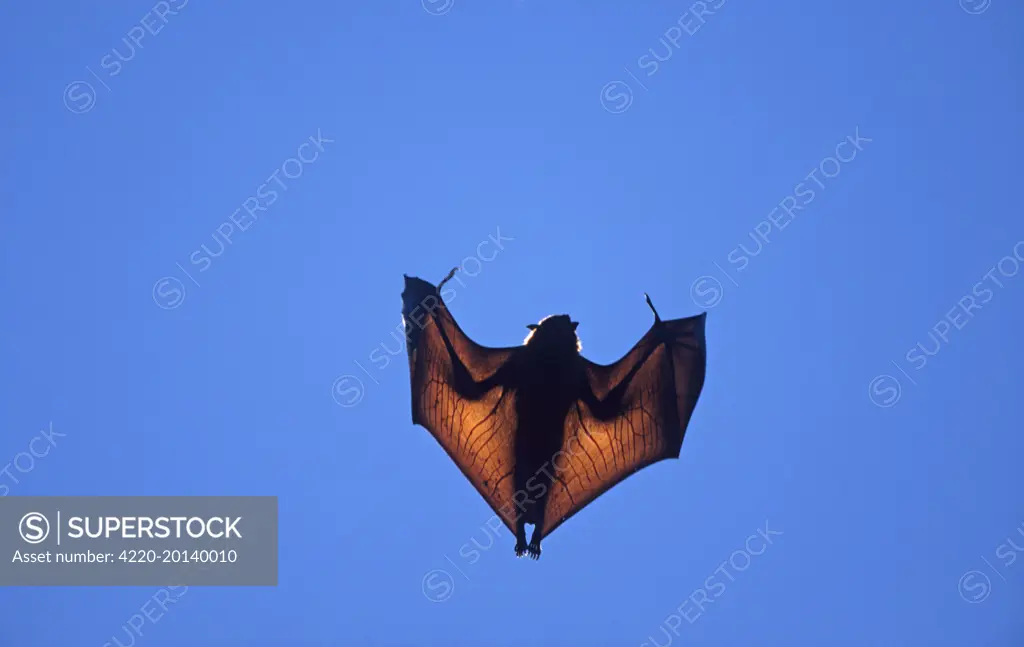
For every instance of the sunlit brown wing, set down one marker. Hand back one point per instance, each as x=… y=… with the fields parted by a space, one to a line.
x=655 y=407
x=476 y=429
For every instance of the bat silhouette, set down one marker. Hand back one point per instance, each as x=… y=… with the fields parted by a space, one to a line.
x=538 y=429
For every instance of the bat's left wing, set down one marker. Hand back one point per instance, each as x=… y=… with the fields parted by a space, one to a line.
x=463 y=394
x=635 y=414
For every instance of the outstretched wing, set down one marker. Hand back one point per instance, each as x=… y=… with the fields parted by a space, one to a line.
x=463 y=394
x=637 y=414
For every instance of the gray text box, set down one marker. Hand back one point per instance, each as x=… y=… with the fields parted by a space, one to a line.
x=138 y=541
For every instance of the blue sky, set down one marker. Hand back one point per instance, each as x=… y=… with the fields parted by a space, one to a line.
x=864 y=155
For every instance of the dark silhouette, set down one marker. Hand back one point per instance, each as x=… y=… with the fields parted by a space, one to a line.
x=538 y=429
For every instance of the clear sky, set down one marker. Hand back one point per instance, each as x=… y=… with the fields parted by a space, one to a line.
x=886 y=475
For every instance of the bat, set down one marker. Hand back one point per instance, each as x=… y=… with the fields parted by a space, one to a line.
x=539 y=430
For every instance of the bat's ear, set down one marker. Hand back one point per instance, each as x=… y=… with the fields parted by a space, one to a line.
x=574 y=324
x=532 y=326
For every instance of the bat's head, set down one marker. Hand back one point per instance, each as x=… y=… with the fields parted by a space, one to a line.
x=554 y=331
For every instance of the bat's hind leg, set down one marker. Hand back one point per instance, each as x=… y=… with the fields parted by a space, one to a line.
x=534 y=548
x=520 y=537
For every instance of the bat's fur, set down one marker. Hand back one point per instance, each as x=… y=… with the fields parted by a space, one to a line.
x=557 y=331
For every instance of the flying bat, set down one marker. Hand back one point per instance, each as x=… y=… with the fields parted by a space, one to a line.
x=538 y=429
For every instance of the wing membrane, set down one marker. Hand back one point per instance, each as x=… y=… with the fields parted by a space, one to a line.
x=473 y=422
x=654 y=389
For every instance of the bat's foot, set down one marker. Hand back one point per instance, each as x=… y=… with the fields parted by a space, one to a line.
x=533 y=550
x=520 y=548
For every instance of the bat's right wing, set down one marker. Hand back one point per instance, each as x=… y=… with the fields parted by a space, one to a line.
x=462 y=395
x=639 y=410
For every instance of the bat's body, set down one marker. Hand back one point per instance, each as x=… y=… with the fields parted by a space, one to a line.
x=550 y=379
x=538 y=429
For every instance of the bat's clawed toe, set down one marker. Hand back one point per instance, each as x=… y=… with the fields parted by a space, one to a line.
x=532 y=550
